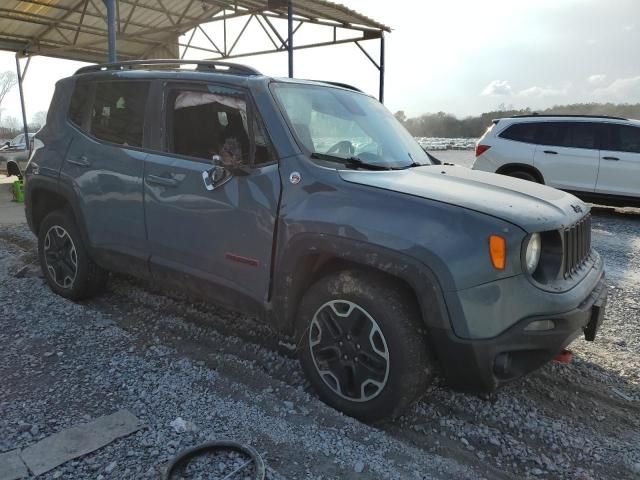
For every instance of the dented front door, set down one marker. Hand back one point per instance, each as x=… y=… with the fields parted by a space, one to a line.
x=224 y=235
x=220 y=233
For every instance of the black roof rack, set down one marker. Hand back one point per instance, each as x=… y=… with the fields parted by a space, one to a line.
x=570 y=116
x=201 y=65
x=339 y=84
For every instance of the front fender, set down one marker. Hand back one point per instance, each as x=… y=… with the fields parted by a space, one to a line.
x=294 y=271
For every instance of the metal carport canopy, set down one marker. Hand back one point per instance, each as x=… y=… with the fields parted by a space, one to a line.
x=77 y=29
x=97 y=30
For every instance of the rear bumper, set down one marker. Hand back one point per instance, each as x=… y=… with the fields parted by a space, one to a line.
x=481 y=365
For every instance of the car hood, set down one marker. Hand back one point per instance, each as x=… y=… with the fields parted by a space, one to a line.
x=529 y=205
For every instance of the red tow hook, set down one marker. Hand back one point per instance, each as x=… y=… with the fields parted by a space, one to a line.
x=564 y=356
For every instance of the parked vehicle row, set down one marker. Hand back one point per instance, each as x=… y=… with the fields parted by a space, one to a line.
x=16 y=150
x=596 y=158
x=386 y=268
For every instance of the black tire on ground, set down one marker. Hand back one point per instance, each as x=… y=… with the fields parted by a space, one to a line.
x=64 y=259
x=335 y=304
x=524 y=175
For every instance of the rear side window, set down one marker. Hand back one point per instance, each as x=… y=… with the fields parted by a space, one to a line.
x=568 y=134
x=79 y=106
x=521 y=132
x=623 y=138
x=117 y=113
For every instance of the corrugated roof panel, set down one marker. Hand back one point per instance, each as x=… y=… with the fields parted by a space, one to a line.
x=77 y=28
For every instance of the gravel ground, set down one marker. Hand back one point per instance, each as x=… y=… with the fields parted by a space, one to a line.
x=224 y=375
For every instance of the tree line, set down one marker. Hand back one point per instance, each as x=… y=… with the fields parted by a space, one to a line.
x=447 y=125
x=11 y=126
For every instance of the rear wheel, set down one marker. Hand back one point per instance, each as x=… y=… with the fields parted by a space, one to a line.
x=362 y=346
x=524 y=175
x=64 y=260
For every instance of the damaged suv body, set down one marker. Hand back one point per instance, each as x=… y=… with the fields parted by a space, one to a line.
x=308 y=204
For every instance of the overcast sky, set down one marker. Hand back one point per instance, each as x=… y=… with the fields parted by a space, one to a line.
x=459 y=56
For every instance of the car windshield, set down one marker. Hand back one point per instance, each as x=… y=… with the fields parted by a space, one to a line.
x=348 y=127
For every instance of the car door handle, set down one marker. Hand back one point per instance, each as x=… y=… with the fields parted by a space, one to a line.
x=164 y=181
x=615 y=159
x=551 y=152
x=81 y=161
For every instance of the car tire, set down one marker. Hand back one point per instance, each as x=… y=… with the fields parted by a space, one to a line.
x=64 y=259
x=369 y=320
x=523 y=175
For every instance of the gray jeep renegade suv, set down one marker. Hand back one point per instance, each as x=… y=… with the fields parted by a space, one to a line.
x=308 y=204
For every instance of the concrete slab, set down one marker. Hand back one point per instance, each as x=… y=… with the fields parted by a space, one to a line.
x=11 y=213
x=79 y=440
x=11 y=466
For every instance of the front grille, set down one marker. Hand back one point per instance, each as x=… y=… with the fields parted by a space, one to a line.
x=576 y=246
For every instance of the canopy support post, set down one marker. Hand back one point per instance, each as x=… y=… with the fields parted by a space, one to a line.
x=381 y=68
x=111 y=29
x=24 y=111
x=290 y=37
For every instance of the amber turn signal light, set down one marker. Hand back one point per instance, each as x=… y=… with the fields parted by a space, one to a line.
x=498 y=252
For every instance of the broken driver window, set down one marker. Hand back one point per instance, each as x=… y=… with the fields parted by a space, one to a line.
x=205 y=125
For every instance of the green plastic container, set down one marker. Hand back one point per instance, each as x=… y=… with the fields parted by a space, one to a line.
x=18 y=191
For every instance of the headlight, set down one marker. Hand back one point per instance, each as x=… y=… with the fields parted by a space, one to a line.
x=532 y=253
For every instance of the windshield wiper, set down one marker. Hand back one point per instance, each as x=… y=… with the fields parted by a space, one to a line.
x=413 y=163
x=349 y=161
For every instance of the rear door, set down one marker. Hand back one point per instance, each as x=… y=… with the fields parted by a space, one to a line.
x=567 y=154
x=620 y=161
x=105 y=164
x=220 y=232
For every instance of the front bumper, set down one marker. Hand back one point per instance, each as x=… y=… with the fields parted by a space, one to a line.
x=481 y=365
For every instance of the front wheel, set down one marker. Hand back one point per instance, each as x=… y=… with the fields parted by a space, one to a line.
x=362 y=345
x=523 y=175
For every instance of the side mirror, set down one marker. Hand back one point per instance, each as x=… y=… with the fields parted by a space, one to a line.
x=237 y=169
x=215 y=175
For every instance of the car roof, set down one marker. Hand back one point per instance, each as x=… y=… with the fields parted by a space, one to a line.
x=561 y=118
x=214 y=71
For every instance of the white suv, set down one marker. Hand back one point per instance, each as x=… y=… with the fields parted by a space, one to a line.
x=597 y=158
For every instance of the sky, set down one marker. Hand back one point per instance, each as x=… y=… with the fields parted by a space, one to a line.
x=459 y=56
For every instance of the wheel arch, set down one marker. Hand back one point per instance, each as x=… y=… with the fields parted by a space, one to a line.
x=310 y=257
x=43 y=195
x=512 y=167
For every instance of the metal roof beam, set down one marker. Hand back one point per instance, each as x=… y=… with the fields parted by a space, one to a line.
x=44 y=31
x=296 y=47
x=166 y=12
x=158 y=9
x=71 y=10
x=275 y=30
x=138 y=36
x=266 y=31
x=367 y=55
x=185 y=11
x=233 y=45
x=17 y=42
x=46 y=21
x=209 y=38
x=327 y=23
x=188 y=43
x=261 y=11
x=84 y=11
x=131 y=12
